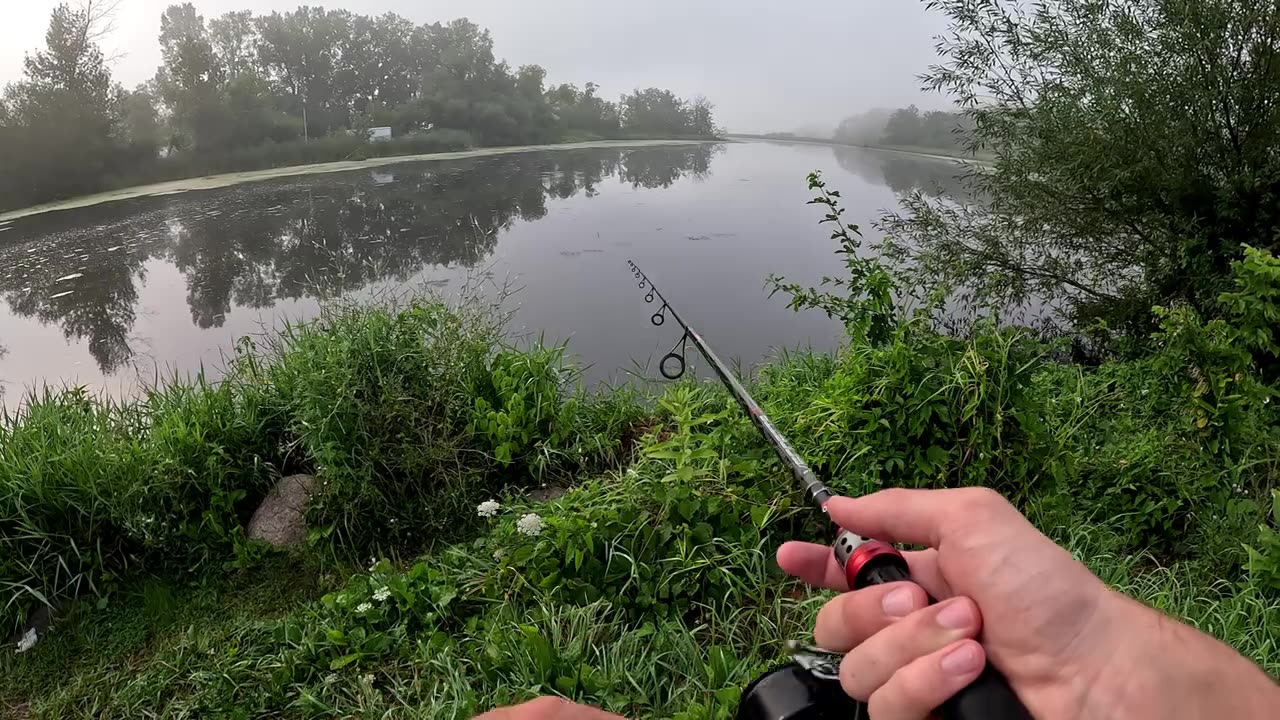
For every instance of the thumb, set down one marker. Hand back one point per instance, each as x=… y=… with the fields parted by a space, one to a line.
x=917 y=517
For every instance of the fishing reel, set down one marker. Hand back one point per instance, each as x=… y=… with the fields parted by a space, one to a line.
x=791 y=692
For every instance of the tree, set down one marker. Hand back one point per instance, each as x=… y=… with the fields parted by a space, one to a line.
x=62 y=117
x=141 y=130
x=1135 y=151
x=903 y=127
x=654 y=111
x=240 y=81
x=701 y=120
x=234 y=38
x=864 y=128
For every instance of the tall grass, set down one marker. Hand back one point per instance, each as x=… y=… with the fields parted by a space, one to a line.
x=378 y=401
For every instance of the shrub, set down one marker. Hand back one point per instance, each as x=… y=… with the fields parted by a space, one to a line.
x=66 y=462
x=215 y=451
x=921 y=411
x=519 y=411
x=1263 y=566
x=91 y=487
x=378 y=399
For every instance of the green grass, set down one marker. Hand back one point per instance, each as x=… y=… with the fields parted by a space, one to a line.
x=258 y=644
x=651 y=588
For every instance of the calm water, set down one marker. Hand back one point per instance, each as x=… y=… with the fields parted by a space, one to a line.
x=111 y=295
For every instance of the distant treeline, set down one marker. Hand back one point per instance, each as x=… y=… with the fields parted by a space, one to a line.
x=905 y=126
x=245 y=90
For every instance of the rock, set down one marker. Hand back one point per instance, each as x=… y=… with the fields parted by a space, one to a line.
x=547 y=493
x=39 y=621
x=281 y=518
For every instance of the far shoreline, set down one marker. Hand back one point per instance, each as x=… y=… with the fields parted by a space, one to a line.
x=931 y=153
x=210 y=182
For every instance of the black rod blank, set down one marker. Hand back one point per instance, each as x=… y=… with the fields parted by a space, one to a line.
x=799 y=468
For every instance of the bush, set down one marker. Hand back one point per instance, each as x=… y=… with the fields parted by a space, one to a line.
x=923 y=411
x=519 y=409
x=91 y=488
x=1264 y=561
x=379 y=401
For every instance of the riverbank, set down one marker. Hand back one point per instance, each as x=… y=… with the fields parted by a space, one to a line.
x=924 y=152
x=236 y=178
x=645 y=585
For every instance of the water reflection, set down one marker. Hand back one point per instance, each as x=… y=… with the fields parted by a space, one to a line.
x=255 y=245
x=904 y=173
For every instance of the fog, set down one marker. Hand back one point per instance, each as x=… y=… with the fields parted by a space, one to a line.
x=766 y=65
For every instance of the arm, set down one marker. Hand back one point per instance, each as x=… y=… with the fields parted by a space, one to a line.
x=1164 y=669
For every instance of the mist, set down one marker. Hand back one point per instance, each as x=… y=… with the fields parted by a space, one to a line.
x=766 y=66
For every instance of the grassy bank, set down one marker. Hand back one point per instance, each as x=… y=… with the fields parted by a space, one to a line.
x=649 y=588
x=285 y=161
x=646 y=584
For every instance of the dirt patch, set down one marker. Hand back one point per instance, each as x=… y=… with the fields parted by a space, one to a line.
x=16 y=709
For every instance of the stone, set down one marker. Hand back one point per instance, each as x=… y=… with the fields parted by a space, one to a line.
x=38 y=622
x=281 y=519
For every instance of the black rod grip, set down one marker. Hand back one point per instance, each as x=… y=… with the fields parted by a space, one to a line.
x=987 y=698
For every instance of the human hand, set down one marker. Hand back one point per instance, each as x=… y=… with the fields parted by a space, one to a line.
x=1068 y=645
x=548 y=708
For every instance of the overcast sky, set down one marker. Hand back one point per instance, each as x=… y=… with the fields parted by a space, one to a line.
x=766 y=65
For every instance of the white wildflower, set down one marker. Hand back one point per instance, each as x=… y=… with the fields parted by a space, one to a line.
x=363 y=607
x=373 y=565
x=367 y=679
x=28 y=641
x=488 y=508
x=530 y=524
x=381 y=594
x=631 y=472
x=330 y=679
x=499 y=554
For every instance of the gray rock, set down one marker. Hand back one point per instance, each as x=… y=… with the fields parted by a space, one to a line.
x=281 y=519
x=39 y=620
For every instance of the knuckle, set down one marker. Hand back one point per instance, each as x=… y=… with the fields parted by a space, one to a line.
x=895 y=495
x=846 y=620
x=981 y=500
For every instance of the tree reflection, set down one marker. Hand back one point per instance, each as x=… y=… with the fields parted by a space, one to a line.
x=253 y=245
x=647 y=169
x=905 y=173
x=92 y=298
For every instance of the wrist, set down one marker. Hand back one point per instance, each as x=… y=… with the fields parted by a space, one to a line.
x=1154 y=667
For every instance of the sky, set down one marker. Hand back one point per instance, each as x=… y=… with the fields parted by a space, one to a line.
x=766 y=65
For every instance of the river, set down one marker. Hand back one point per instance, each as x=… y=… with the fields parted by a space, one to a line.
x=113 y=296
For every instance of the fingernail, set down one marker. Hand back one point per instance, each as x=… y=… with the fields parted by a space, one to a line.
x=962 y=660
x=956 y=616
x=899 y=603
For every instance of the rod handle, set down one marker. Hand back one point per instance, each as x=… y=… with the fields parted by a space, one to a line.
x=989 y=697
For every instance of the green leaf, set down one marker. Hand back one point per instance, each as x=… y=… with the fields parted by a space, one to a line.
x=344 y=661
x=937 y=455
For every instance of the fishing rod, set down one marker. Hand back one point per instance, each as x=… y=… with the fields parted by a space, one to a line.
x=808 y=688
